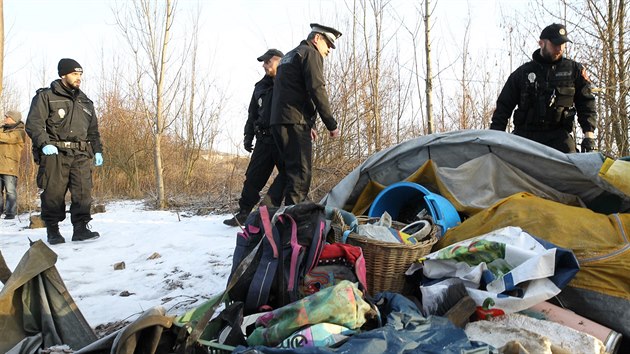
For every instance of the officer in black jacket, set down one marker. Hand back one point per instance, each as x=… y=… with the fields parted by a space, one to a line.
x=63 y=127
x=549 y=91
x=265 y=154
x=300 y=93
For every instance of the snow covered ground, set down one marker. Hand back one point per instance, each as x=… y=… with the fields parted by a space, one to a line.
x=173 y=260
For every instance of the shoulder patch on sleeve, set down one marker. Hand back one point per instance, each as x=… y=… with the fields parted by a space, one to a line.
x=288 y=58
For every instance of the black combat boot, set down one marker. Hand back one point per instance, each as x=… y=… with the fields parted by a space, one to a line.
x=82 y=233
x=54 y=236
x=238 y=219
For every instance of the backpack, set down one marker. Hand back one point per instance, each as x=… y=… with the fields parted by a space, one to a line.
x=287 y=244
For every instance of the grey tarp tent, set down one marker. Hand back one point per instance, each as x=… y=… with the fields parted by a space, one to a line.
x=509 y=164
x=476 y=169
x=36 y=309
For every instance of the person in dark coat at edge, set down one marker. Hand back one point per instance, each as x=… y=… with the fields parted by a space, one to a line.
x=549 y=91
x=300 y=93
x=265 y=154
x=63 y=126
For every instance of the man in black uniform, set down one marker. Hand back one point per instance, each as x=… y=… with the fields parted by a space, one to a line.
x=265 y=154
x=549 y=90
x=63 y=127
x=300 y=93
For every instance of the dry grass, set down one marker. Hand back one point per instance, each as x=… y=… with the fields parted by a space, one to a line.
x=212 y=185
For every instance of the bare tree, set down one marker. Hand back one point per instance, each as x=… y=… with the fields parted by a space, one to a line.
x=147 y=29
x=355 y=79
x=373 y=51
x=465 y=98
x=426 y=12
x=199 y=126
x=429 y=78
x=416 y=77
x=1 y=46
x=605 y=28
x=345 y=83
x=403 y=92
x=623 y=61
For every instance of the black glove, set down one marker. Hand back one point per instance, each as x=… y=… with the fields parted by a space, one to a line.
x=588 y=144
x=248 y=143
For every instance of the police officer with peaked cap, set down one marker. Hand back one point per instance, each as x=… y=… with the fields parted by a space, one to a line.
x=299 y=95
x=549 y=90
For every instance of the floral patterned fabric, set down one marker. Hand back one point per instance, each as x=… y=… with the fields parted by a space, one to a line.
x=341 y=304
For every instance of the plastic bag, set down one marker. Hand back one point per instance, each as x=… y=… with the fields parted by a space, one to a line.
x=382 y=230
x=513 y=268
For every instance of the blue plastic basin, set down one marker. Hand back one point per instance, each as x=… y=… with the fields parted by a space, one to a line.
x=400 y=194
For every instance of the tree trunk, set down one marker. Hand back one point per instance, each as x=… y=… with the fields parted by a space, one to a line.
x=1 y=47
x=355 y=73
x=190 y=146
x=160 y=118
x=623 y=63
x=429 y=80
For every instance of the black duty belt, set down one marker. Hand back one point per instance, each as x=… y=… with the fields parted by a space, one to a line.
x=81 y=145
x=263 y=132
x=539 y=127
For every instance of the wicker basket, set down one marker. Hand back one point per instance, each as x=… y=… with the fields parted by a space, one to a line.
x=337 y=228
x=386 y=262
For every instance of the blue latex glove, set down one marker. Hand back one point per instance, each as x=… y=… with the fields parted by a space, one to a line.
x=50 y=150
x=98 y=159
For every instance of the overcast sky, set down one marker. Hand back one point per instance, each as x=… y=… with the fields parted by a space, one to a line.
x=233 y=34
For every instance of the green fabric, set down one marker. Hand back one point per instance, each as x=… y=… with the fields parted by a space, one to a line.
x=35 y=306
x=341 y=304
x=192 y=317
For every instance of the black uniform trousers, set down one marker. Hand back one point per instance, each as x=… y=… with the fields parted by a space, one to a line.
x=296 y=152
x=264 y=158
x=56 y=175
x=558 y=139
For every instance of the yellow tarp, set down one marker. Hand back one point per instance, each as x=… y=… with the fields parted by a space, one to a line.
x=617 y=173
x=600 y=242
x=426 y=176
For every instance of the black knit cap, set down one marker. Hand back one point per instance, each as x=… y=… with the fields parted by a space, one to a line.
x=67 y=66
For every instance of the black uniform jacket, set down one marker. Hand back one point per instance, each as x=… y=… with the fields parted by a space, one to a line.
x=259 y=111
x=60 y=114
x=299 y=86
x=563 y=84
